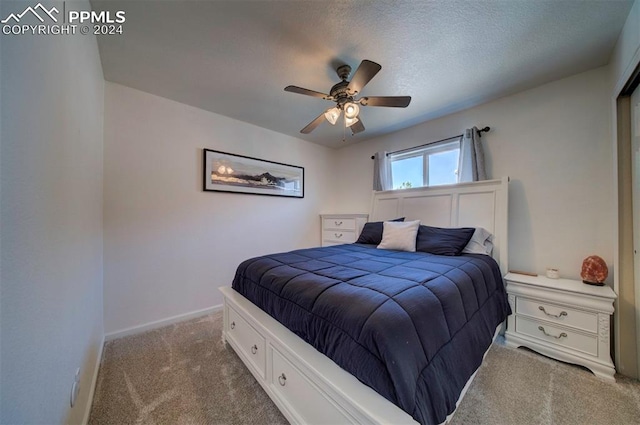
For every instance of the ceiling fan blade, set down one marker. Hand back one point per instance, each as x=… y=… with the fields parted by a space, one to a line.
x=392 y=101
x=365 y=72
x=300 y=90
x=357 y=127
x=313 y=124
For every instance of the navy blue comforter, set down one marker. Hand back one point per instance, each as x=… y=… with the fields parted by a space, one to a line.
x=412 y=326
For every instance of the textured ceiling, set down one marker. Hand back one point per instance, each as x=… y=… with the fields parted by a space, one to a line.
x=234 y=58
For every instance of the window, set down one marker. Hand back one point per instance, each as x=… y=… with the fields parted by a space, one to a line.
x=431 y=165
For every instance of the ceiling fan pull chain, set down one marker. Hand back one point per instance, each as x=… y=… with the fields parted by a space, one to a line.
x=344 y=129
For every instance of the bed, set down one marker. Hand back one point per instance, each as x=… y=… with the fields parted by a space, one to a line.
x=322 y=328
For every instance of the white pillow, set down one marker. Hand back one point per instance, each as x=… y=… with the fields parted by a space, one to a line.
x=480 y=242
x=399 y=235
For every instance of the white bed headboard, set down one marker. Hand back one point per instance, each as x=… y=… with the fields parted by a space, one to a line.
x=478 y=204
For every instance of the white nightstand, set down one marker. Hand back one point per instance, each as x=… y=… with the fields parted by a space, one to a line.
x=341 y=228
x=561 y=318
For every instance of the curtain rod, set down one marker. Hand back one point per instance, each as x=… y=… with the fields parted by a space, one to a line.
x=482 y=130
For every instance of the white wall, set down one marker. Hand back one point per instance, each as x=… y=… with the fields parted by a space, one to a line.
x=168 y=244
x=52 y=94
x=553 y=142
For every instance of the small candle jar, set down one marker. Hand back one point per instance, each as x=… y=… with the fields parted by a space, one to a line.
x=553 y=273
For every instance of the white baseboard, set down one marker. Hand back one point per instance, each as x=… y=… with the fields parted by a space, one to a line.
x=94 y=382
x=160 y=323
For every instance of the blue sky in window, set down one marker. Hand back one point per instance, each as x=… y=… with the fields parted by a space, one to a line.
x=407 y=170
x=442 y=168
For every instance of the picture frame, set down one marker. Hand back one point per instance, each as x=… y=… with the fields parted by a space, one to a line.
x=228 y=172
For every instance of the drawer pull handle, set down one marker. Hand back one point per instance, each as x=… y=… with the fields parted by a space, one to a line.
x=233 y=325
x=254 y=349
x=557 y=316
x=282 y=379
x=338 y=223
x=562 y=335
x=338 y=235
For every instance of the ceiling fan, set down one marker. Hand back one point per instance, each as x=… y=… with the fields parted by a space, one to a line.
x=344 y=94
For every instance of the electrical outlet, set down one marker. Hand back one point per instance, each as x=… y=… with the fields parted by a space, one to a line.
x=75 y=388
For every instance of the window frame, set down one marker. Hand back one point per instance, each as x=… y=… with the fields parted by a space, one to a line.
x=425 y=152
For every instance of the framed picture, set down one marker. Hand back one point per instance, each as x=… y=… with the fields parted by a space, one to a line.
x=226 y=172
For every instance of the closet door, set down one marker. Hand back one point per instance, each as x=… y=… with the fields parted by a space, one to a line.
x=635 y=175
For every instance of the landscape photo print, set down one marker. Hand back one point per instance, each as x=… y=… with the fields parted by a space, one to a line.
x=227 y=172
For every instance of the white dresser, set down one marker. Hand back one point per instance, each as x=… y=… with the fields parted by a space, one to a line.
x=341 y=228
x=562 y=318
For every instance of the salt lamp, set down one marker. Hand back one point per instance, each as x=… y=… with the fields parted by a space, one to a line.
x=594 y=270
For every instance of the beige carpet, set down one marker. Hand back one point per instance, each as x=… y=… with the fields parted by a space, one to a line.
x=518 y=386
x=183 y=374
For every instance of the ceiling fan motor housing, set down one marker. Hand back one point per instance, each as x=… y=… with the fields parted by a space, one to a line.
x=340 y=94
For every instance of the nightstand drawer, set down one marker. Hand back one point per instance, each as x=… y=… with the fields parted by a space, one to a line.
x=339 y=224
x=339 y=236
x=558 y=335
x=558 y=314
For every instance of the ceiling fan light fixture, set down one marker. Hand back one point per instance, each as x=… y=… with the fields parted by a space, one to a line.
x=351 y=110
x=348 y=122
x=332 y=115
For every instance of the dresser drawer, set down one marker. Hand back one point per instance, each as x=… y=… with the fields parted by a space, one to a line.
x=557 y=314
x=295 y=390
x=339 y=224
x=558 y=335
x=339 y=236
x=248 y=340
